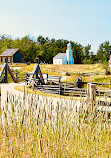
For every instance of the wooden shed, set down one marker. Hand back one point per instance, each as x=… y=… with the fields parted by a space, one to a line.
x=14 y=55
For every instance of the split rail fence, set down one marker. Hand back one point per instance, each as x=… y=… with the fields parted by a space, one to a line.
x=63 y=88
x=79 y=73
x=70 y=90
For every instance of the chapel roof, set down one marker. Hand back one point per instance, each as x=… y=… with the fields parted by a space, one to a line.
x=60 y=56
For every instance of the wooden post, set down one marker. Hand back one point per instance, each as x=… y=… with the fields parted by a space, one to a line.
x=33 y=85
x=13 y=77
x=6 y=70
x=37 y=60
x=11 y=60
x=64 y=88
x=47 y=77
x=16 y=73
x=27 y=78
x=59 y=88
x=0 y=98
x=66 y=83
x=91 y=92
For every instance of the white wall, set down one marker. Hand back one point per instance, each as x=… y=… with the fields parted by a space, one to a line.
x=57 y=61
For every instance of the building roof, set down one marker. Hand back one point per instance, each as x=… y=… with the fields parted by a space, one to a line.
x=60 y=56
x=9 y=52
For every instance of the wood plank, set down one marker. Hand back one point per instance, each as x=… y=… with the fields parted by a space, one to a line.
x=12 y=75
x=3 y=69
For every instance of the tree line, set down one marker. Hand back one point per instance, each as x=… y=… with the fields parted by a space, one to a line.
x=45 y=49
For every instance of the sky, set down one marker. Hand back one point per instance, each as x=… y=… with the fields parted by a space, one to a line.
x=82 y=21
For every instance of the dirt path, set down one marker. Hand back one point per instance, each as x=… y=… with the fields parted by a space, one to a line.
x=10 y=88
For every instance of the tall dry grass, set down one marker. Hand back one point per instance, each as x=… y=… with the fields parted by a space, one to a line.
x=35 y=126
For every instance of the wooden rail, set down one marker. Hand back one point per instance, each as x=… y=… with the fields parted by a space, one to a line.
x=98 y=83
x=79 y=73
x=12 y=75
x=59 y=89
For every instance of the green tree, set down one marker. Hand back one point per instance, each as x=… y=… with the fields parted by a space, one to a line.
x=46 y=49
x=103 y=52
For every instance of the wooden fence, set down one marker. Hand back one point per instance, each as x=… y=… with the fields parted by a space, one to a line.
x=62 y=90
x=66 y=88
x=70 y=90
x=98 y=83
x=79 y=73
x=53 y=78
x=102 y=92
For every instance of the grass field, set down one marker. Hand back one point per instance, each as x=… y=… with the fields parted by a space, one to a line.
x=34 y=127
x=44 y=130
x=76 y=68
x=60 y=70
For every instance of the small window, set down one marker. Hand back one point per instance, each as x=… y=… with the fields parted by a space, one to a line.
x=3 y=59
x=8 y=59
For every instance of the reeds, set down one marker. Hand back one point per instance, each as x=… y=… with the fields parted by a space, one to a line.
x=38 y=126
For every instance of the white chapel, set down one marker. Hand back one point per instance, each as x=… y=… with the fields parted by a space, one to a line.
x=64 y=58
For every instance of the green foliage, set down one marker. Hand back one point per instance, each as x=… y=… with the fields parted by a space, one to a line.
x=86 y=61
x=103 y=52
x=103 y=79
x=46 y=49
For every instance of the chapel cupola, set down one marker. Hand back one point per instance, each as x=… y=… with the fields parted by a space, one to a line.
x=69 y=53
x=69 y=46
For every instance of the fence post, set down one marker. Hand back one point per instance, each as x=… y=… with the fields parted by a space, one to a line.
x=47 y=77
x=64 y=87
x=66 y=83
x=0 y=98
x=91 y=92
x=59 y=88
x=16 y=76
x=26 y=77
x=6 y=71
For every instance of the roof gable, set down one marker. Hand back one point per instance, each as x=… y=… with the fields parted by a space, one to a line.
x=60 y=56
x=9 y=52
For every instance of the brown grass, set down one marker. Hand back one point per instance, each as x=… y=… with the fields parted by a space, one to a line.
x=75 y=68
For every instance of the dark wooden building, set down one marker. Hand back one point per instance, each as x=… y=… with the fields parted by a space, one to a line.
x=14 y=55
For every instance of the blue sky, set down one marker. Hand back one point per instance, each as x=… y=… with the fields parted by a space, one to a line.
x=82 y=21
